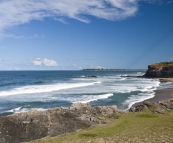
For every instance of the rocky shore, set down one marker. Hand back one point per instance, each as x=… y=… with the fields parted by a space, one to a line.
x=161 y=107
x=32 y=125
x=160 y=70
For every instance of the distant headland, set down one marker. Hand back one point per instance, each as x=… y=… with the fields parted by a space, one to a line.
x=160 y=70
x=102 y=69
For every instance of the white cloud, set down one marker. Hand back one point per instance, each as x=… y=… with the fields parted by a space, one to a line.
x=61 y=20
x=45 y=62
x=37 y=62
x=16 y=12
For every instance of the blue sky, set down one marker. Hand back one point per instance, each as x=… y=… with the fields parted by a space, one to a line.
x=75 y=34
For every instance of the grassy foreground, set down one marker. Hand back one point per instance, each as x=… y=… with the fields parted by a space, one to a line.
x=131 y=127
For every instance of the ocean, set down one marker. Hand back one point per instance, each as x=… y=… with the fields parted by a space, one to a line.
x=21 y=91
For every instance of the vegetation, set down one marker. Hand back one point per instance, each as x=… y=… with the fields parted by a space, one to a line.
x=130 y=127
x=167 y=64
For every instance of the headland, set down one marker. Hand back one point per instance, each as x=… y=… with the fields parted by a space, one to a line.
x=149 y=121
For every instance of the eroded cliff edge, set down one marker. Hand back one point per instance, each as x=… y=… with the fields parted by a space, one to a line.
x=160 y=70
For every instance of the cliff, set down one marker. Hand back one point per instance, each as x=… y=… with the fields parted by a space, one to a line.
x=160 y=70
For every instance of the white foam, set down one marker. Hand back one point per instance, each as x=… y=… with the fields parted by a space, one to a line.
x=20 y=109
x=147 y=88
x=123 y=79
x=138 y=98
x=83 y=98
x=77 y=99
x=87 y=99
x=45 y=88
x=14 y=110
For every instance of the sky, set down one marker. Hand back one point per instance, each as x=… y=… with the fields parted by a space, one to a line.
x=79 y=34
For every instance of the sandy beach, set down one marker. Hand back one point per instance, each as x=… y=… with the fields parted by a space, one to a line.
x=161 y=94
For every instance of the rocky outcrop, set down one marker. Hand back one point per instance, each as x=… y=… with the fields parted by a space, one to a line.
x=159 y=108
x=24 y=127
x=168 y=104
x=160 y=71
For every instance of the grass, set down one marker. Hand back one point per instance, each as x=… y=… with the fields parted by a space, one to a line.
x=165 y=64
x=131 y=127
x=147 y=116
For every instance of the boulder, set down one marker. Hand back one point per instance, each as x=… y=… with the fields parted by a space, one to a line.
x=138 y=108
x=161 y=107
x=155 y=107
x=77 y=106
x=167 y=104
x=32 y=125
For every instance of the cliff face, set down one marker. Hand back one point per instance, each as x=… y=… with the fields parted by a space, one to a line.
x=32 y=125
x=159 y=70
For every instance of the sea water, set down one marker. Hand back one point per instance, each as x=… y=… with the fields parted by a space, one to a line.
x=21 y=91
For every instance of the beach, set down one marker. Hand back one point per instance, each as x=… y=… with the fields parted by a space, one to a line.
x=57 y=121
x=161 y=94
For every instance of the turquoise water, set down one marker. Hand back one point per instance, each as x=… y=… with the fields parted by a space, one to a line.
x=21 y=91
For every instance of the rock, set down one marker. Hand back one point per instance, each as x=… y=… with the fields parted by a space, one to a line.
x=159 y=108
x=108 y=111
x=132 y=109
x=92 y=76
x=77 y=106
x=138 y=108
x=161 y=70
x=155 y=107
x=32 y=125
x=167 y=104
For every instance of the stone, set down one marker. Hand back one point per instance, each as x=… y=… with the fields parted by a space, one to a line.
x=161 y=71
x=167 y=104
x=32 y=125
x=155 y=107
x=138 y=108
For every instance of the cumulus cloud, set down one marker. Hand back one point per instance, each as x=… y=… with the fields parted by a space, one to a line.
x=16 y=12
x=45 y=62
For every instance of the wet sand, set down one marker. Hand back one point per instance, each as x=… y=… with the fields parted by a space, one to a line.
x=160 y=94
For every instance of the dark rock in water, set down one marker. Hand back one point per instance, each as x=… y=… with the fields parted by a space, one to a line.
x=32 y=125
x=92 y=76
x=159 y=108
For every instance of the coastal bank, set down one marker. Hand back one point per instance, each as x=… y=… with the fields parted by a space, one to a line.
x=96 y=124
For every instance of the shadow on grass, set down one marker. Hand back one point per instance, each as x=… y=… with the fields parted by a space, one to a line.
x=147 y=116
x=88 y=135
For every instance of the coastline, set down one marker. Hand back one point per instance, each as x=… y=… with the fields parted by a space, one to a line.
x=160 y=94
x=59 y=121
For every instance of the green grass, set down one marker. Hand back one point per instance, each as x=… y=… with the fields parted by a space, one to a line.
x=147 y=116
x=131 y=127
x=165 y=64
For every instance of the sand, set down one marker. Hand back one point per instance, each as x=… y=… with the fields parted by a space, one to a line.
x=161 y=94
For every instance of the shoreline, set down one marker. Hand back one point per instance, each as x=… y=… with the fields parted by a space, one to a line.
x=160 y=94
